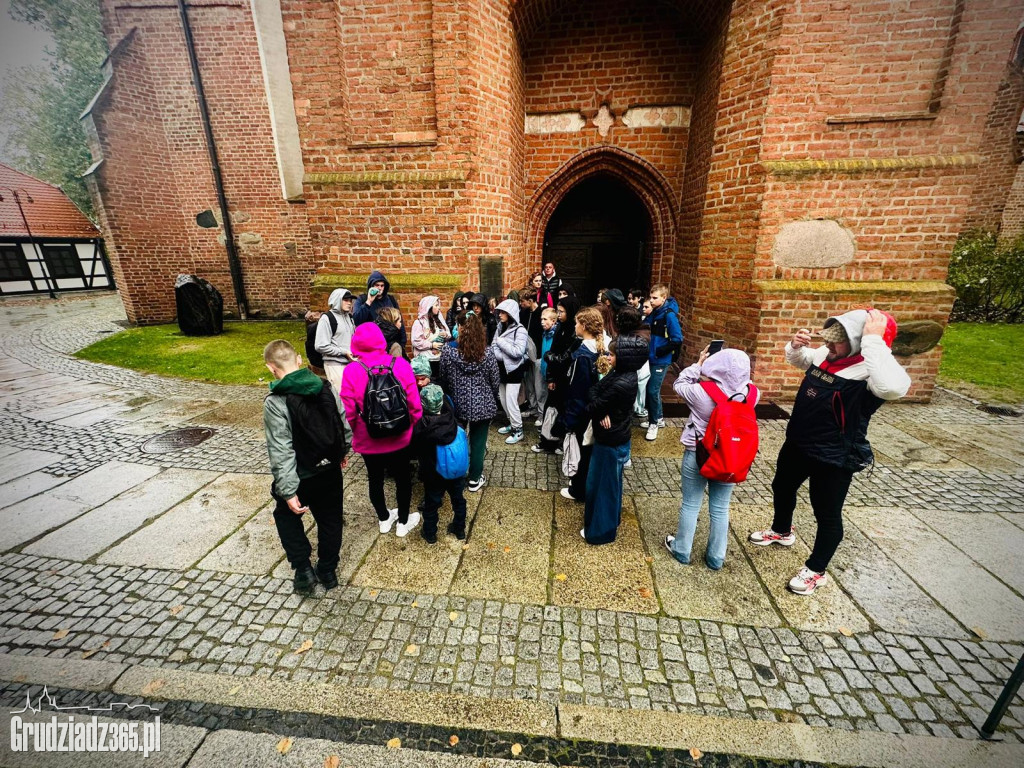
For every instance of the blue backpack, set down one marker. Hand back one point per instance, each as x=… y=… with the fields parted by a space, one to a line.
x=453 y=459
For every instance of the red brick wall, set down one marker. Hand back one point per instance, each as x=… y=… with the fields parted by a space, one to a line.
x=157 y=176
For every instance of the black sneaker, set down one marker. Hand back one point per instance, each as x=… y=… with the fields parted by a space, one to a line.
x=305 y=580
x=329 y=580
x=459 y=532
x=429 y=536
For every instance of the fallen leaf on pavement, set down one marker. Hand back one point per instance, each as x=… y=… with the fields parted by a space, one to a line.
x=517 y=749
x=491 y=545
x=306 y=645
x=395 y=743
x=453 y=615
x=373 y=593
x=106 y=644
x=20 y=679
x=507 y=549
x=560 y=577
x=412 y=650
x=645 y=592
x=60 y=634
x=846 y=631
x=453 y=740
x=332 y=761
x=980 y=632
x=285 y=744
x=177 y=609
x=87 y=654
x=234 y=690
x=648 y=559
x=695 y=753
x=151 y=686
x=465 y=547
x=415 y=604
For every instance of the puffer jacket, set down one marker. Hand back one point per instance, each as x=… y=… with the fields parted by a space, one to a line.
x=473 y=387
x=582 y=375
x=509 y=343
x=614 y=395
x=368 y=347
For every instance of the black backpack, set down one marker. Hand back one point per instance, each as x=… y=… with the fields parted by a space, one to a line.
x=385 y=406
x=318 y=436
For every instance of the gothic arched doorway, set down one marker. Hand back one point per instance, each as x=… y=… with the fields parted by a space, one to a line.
x=597 y=238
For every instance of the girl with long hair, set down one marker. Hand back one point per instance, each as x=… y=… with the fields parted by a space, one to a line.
x=430 y=331
x=469 y=374
x=557 y=361
x=583 y=374
x=389 y=320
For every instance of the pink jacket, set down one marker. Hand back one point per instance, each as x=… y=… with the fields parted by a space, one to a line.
x=368 y=347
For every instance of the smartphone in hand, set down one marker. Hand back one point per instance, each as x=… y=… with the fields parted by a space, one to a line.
x=715 y=346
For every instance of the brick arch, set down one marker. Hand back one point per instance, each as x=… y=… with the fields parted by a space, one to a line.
x=636 y=174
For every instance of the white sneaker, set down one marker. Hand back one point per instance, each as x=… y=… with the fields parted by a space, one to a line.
x=628 y=464
x=401 y=531
x=385 y=525
x=566 y=495
x=504 y=430
x=559 y=451
x=645 y=423
x=539 y=423
x=652 y=432
x=767 y=537
x=476 y=485
x=514 y=438
x=583 y=533
x=805 y=582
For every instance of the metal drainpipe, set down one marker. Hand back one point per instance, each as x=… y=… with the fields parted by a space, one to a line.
x=218 y=180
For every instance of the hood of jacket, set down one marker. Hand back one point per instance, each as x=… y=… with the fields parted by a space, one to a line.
x=670 y=305
x=337 y=296
x=730 y=369
x=367 y=339
x=374 y=277
x=301 y=382
x=853 y=322
x=425 y=305
x=511 y=306
x=614 y=295
x=630 y=353
x=478 y=298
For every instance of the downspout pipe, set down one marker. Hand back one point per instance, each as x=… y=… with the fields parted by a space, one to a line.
x=204 y=112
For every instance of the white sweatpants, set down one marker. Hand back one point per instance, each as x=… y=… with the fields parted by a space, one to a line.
x=508 y=396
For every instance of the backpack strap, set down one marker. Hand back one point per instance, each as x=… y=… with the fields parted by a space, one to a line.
x=332 y=321
x=714 y=392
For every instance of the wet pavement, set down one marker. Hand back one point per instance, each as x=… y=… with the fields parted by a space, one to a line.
x=172 y=560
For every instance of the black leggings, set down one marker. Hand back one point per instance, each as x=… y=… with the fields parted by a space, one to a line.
x=397 y=465
x=828 y=487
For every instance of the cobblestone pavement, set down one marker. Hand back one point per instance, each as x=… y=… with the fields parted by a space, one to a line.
x=933 y=544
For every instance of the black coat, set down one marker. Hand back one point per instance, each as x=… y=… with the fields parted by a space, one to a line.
x=615 y=394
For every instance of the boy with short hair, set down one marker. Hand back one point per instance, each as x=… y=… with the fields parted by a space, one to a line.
x=308 y=439
x=437 y=427
x=666 y=341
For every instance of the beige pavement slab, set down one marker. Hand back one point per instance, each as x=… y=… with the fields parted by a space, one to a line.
x=828 y=609
x=183 y=409
x=254 y=548
x=667 y=445
x=1006 y=442
x=27 y=486
x=103 y=526
x=1016 y=518
x=27 y=519
x=949 y=442
x=519 y=520
x=185 y=533
x=971 y=594
x=240 y=414
x=880 y=587
x=70 y=408
x=22 y=461
x=410 y=563
x=733 y=594
x=615 y=577
x=94 y=416
x=897 y=448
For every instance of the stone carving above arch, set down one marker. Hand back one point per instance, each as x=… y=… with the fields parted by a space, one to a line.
x=816 y=244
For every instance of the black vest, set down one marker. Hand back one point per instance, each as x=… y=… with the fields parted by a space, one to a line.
x=830 y=419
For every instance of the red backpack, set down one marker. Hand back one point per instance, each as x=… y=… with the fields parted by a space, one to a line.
x=729 y=445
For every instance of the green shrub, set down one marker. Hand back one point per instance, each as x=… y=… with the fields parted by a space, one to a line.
x=988 y=277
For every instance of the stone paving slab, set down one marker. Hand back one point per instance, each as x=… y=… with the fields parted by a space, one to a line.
x=188 y=531
x=615 y=576
x=55 y=413
x=24 y=461
x=732 y=594
x=102 y=527
x=830 y=608
x=36 y=515
x=895 y=447
x=516 y=521
x=254 y=548
x=27 y=486
x=975 y=597
x=880 y=587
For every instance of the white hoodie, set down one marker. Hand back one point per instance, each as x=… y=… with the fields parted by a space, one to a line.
x=336 y=347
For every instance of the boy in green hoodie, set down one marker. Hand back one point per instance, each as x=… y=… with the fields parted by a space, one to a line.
x=308 y=439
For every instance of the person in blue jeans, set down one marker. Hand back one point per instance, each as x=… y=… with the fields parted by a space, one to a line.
x=730 y=370
x=666 y=341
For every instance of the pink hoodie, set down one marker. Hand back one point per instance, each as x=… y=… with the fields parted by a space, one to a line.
x=368 y=347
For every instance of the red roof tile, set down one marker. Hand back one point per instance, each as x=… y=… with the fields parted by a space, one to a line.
x=49 y=211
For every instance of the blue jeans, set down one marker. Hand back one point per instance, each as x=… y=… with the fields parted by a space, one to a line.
x=654 y=392
x=719 y=494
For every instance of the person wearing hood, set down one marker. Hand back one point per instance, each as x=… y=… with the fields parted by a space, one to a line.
x=509 y=345
x=308 y=439
x=458 y=304
x=382 y=455
x=556 y=369
x=438 y=427
x=846 y=380
x=469 y=373
x=610 y=408
x=377 y=296
x=730 y=370
x=334 y=335
x=430 y=331
x=479 y=303
x=666 y=341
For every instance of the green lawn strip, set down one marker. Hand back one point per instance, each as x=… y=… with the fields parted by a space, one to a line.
x=984 y=360
x=233 y=357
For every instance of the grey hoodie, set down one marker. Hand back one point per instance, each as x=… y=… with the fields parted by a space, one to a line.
x=509 y=343
x=336 y=347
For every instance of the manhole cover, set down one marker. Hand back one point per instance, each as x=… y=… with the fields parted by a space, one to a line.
x=176 y=440
x=999 y=410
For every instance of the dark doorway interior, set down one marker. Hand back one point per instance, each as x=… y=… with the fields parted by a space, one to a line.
x=597 y=238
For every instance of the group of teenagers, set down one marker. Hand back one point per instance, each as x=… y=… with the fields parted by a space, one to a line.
x=584 y=372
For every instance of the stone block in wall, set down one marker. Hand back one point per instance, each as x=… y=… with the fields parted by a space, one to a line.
x=816 y=244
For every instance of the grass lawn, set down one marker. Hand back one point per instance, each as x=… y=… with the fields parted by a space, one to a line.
x=984 y=360
x=234 y=357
